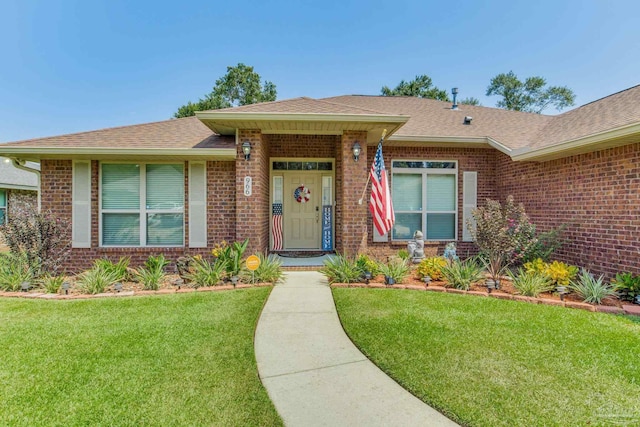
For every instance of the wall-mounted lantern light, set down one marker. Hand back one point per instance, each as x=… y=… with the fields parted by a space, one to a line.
x=246 y=149
x=356 y=151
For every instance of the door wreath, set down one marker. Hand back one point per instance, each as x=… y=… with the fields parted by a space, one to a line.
x=301 y=194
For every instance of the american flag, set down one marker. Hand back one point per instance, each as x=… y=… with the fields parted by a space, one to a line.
x=276 y=228
x=380 y=206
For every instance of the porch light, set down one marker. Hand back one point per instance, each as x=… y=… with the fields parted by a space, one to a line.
x=246 y=149
x=356 y=151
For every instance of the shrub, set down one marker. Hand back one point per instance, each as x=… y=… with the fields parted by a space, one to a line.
x=51 y=284
x=545 y=245
x=397 y=269
x=119 y=270
x=403 y=254
x=153 y=272
x=44 y=238
x=558 y=272
x=431 y=267
x=99 y=278
x=206 y=273
x=231 y=257
x=340 y=269
x=530 y=283
x=14 y=270
x=627 y=285
x=502 y=232
x=590 y=289
x=269 y=270
x=461 y=274
x=364 y=263
x=219 y=248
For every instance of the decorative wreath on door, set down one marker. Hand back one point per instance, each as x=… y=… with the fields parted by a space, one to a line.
x=301 y=194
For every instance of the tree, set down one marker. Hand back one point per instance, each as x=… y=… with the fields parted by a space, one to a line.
x=471 y=101
x=420 y=87
x=240 y=86
x=531 y=95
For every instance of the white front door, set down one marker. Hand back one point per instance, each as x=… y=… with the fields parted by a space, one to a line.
x=302 y=198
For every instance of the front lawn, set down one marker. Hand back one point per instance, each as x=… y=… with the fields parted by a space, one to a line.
x=489 y=362
x=184 y=359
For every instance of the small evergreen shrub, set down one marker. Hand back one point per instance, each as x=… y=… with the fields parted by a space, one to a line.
x=545 y=245
x=627 y=286
x=530 y=283
x=269 y=271
x=461 y=274
x=119 y=270
x=364 y=263
x=558 y=272
x=231 y=257
x=341 y=269
x=153 y=272
x=431 y=267
x=590 y=289
x=403 y=254
x=51 y=284
x=98 y=279
x=397 y=269
x=205 y=273
x=14 y=270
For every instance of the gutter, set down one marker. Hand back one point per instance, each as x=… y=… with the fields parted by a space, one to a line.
x=20 y=164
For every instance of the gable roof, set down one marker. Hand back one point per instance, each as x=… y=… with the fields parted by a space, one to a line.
x=613 y=120
x=12 y=177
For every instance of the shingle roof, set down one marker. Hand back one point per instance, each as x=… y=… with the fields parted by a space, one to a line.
x=187 y=132
x=432 y=118
x=302 y=105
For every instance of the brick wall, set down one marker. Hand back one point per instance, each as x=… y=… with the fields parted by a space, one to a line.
x=352 y=232
x=597 y=196
x=20 y=201
x=481 y=160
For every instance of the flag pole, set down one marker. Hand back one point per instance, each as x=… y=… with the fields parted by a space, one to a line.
x=384 y=133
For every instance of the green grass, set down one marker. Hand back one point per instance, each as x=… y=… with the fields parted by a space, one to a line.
x=488 y=362
x=160 y=360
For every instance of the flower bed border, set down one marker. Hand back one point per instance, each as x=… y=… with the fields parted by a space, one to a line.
x=41 y=295
x=633 y=310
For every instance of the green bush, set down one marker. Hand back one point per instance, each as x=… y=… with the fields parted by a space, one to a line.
x=403 y=254
x=364 y=263
x=206 y=273
x=14 y=270
x=231 y=257
x=544 y=245
x=51 y=284
x=98 y=279
x=627 y=286
x=269 y=270
x=590 y=289
x=530 y=284
x=341 y=269
x=396 y=269
x=558 y=272
x=431 y=267
x=153 y=272
x=119 y=270
x=461 y=274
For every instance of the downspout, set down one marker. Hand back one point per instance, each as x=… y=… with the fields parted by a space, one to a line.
x=20 y=164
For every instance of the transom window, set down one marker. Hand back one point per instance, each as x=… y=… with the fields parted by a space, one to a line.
x=3 y=207
x=142 y=204
x=424 y=195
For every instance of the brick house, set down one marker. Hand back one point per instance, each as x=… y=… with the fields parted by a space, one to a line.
x=18 y=187
x=179 y=186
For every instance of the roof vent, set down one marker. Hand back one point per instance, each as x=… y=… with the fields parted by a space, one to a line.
x=454 y=92
x=467 y=120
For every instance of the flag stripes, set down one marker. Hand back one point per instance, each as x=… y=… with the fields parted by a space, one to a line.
x=380 y=204
x=276 y=226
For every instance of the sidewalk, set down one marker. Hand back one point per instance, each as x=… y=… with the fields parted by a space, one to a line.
x=314 y=374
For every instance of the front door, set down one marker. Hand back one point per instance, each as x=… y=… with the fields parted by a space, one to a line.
x=302 y=197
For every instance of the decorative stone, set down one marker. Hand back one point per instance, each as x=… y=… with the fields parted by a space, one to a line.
x=416 y=247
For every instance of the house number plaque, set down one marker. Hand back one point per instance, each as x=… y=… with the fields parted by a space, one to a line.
x=247 y=186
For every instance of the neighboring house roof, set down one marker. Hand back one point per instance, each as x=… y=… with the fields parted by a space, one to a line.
x=610 y=121
x=12 y=177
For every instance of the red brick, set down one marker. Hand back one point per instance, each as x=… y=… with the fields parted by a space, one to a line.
x=579 y=305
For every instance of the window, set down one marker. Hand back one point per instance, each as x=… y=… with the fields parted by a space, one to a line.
x=142 y=205
x=424 y=197
x=3 y=207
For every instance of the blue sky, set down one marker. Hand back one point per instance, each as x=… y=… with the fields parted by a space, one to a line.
x=70 y=66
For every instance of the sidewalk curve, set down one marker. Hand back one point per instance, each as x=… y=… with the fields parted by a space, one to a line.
x=314 y=374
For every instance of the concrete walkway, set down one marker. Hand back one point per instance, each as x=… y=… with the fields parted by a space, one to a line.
x=314 y=374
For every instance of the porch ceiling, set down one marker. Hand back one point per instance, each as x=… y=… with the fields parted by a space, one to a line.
x=226 y=123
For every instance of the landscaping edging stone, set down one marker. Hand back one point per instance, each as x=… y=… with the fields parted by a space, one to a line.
x=37 y=295
x=633 y=310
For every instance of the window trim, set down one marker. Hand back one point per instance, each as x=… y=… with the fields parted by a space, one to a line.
x=142 y=210
x=423 y=210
